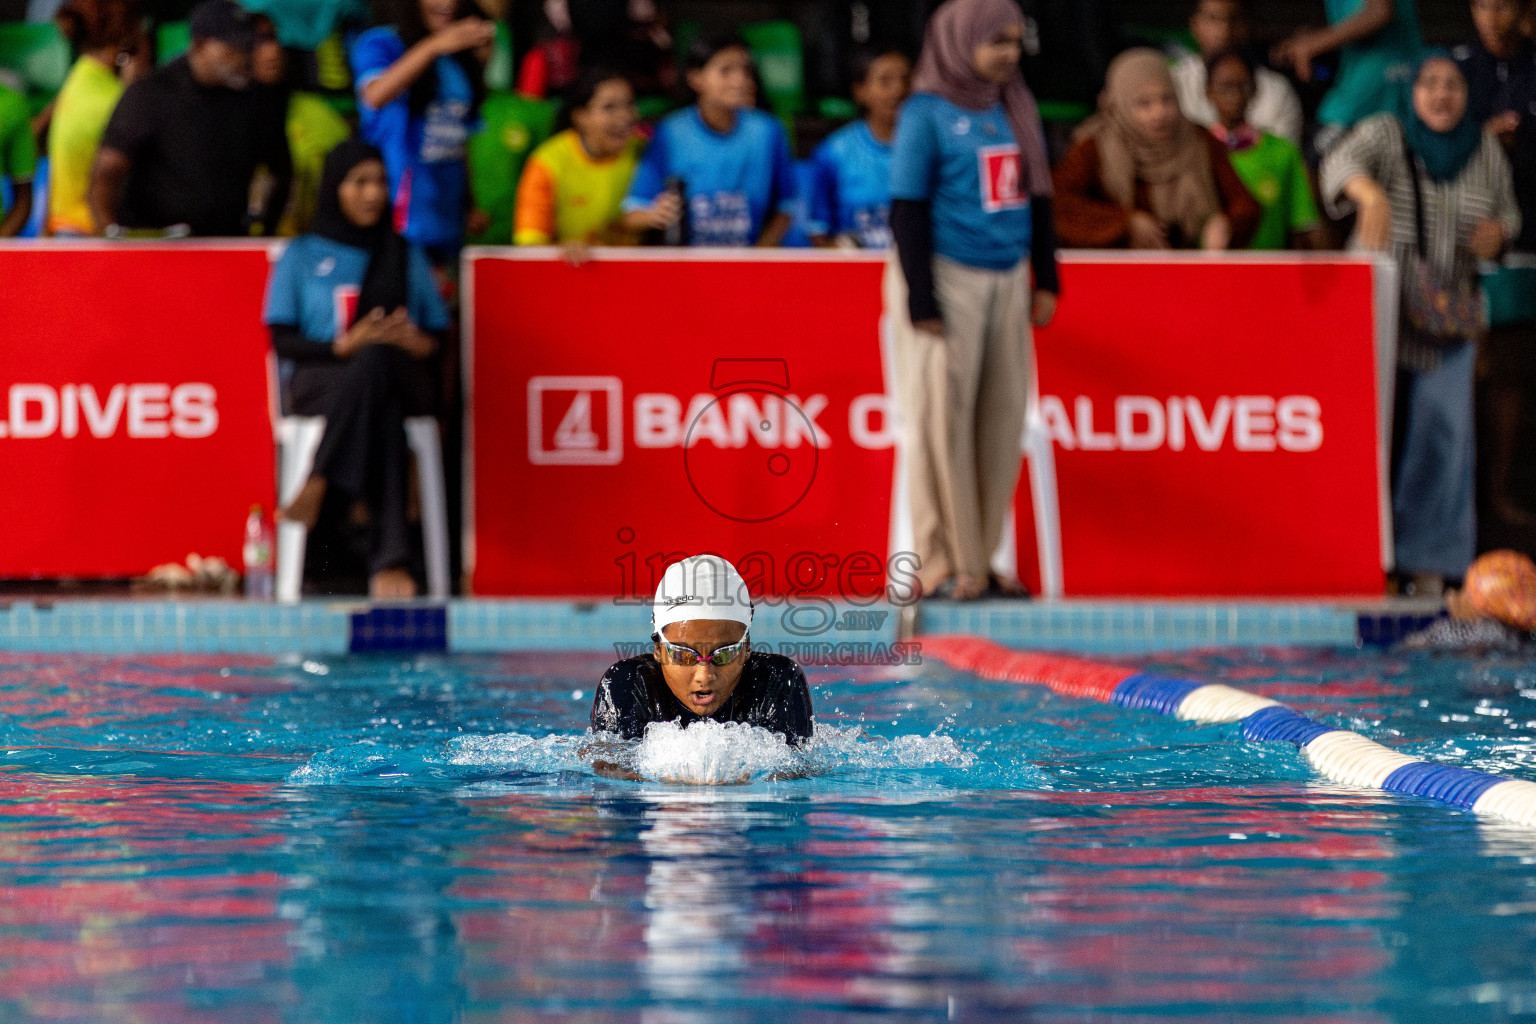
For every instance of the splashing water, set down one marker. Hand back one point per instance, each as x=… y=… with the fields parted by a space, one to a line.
x=515 y=751
x=713 y=753
x=703 y=754
x=850 y=748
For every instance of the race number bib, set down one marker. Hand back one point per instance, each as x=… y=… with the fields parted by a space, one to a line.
x=1001 y=178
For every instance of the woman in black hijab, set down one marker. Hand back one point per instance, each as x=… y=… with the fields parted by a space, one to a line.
x=354 y=310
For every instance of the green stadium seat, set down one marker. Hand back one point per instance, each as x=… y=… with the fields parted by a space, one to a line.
x=37 y=53
x=172 y=39
x=332 y=71
x=1160 y=36
x=780 y=56
x=654 y=108
x=344 y=103
x=498 y=71
x=682 y=39
x=514 y=127
x=1061 y=112
x=837 y=108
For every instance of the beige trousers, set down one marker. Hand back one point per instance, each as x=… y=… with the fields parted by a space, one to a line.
x=963 y=403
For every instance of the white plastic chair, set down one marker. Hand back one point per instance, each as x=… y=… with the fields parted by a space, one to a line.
x=298 y=439
x=1040 y=450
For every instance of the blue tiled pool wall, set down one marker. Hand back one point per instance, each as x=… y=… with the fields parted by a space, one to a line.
x=840 y=631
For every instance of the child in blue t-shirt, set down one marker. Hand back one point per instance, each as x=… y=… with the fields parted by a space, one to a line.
x=419 y=89
x=851 y=201
x=732 y=160
x=807 y=179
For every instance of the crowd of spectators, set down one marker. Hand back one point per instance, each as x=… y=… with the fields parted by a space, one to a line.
x=419 y=93
x=1428 y=155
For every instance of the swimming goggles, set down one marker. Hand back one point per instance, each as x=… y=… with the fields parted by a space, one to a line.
x=688 y=657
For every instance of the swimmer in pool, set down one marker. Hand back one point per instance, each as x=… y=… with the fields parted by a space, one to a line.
x=703 y=666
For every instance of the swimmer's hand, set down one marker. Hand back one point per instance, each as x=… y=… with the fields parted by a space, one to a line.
x=609 y=770
x=791 y=774
x=594 y=752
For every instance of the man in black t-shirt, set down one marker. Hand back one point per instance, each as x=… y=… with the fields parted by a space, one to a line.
x=183 y=144
x=703 y=666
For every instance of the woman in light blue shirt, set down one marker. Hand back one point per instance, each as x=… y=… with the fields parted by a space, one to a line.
x=971 y=219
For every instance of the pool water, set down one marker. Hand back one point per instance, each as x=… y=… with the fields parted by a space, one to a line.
x=370 y=839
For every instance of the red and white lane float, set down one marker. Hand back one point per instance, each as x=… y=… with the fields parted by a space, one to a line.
x=1338 y=754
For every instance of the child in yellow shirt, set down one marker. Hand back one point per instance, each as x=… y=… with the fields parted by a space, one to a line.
x=573 y=185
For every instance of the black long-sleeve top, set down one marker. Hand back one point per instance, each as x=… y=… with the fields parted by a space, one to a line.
x=912 y=231
x=772 y=694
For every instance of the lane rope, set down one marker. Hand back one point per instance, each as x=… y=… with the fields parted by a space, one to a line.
x=1338 y=754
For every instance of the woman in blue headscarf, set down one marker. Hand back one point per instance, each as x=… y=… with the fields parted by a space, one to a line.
x=1435 y=192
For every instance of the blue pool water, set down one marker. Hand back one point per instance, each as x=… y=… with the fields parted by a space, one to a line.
x=368 y=839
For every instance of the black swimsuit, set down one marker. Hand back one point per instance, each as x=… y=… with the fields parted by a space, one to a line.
x=772 y=694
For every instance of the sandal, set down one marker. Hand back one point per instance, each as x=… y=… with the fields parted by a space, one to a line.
x=957 y=588
x=1006 y=586
x=944 y=591
x=969 y=588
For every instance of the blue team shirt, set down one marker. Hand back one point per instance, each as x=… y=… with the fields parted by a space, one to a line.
x=424 y=154
x=734 y=181
x=801 y=233
x=316 y=282
x=968 y=166
x=853 y=187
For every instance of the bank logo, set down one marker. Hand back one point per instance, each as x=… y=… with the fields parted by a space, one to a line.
x=344 y=304
x=1001 y=178
x=575 y=421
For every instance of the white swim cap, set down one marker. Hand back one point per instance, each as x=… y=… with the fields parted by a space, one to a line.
x=701 y=587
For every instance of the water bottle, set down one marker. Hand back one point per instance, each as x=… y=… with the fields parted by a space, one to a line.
x=677 y=232
x=258 y=556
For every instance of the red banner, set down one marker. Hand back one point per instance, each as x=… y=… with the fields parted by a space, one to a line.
x=1215 y=427
x=136 y=423
x=1215 y=424
x=635 y=408
x=1223 y=441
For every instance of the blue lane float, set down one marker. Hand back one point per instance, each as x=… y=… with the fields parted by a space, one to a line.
x=1338 y=754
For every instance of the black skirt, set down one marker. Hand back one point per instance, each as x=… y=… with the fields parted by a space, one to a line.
x=365 y=401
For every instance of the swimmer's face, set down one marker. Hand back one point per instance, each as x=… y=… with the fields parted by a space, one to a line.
x=702 y=689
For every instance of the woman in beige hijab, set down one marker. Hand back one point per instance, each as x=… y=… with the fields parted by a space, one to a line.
x=1142 y=175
